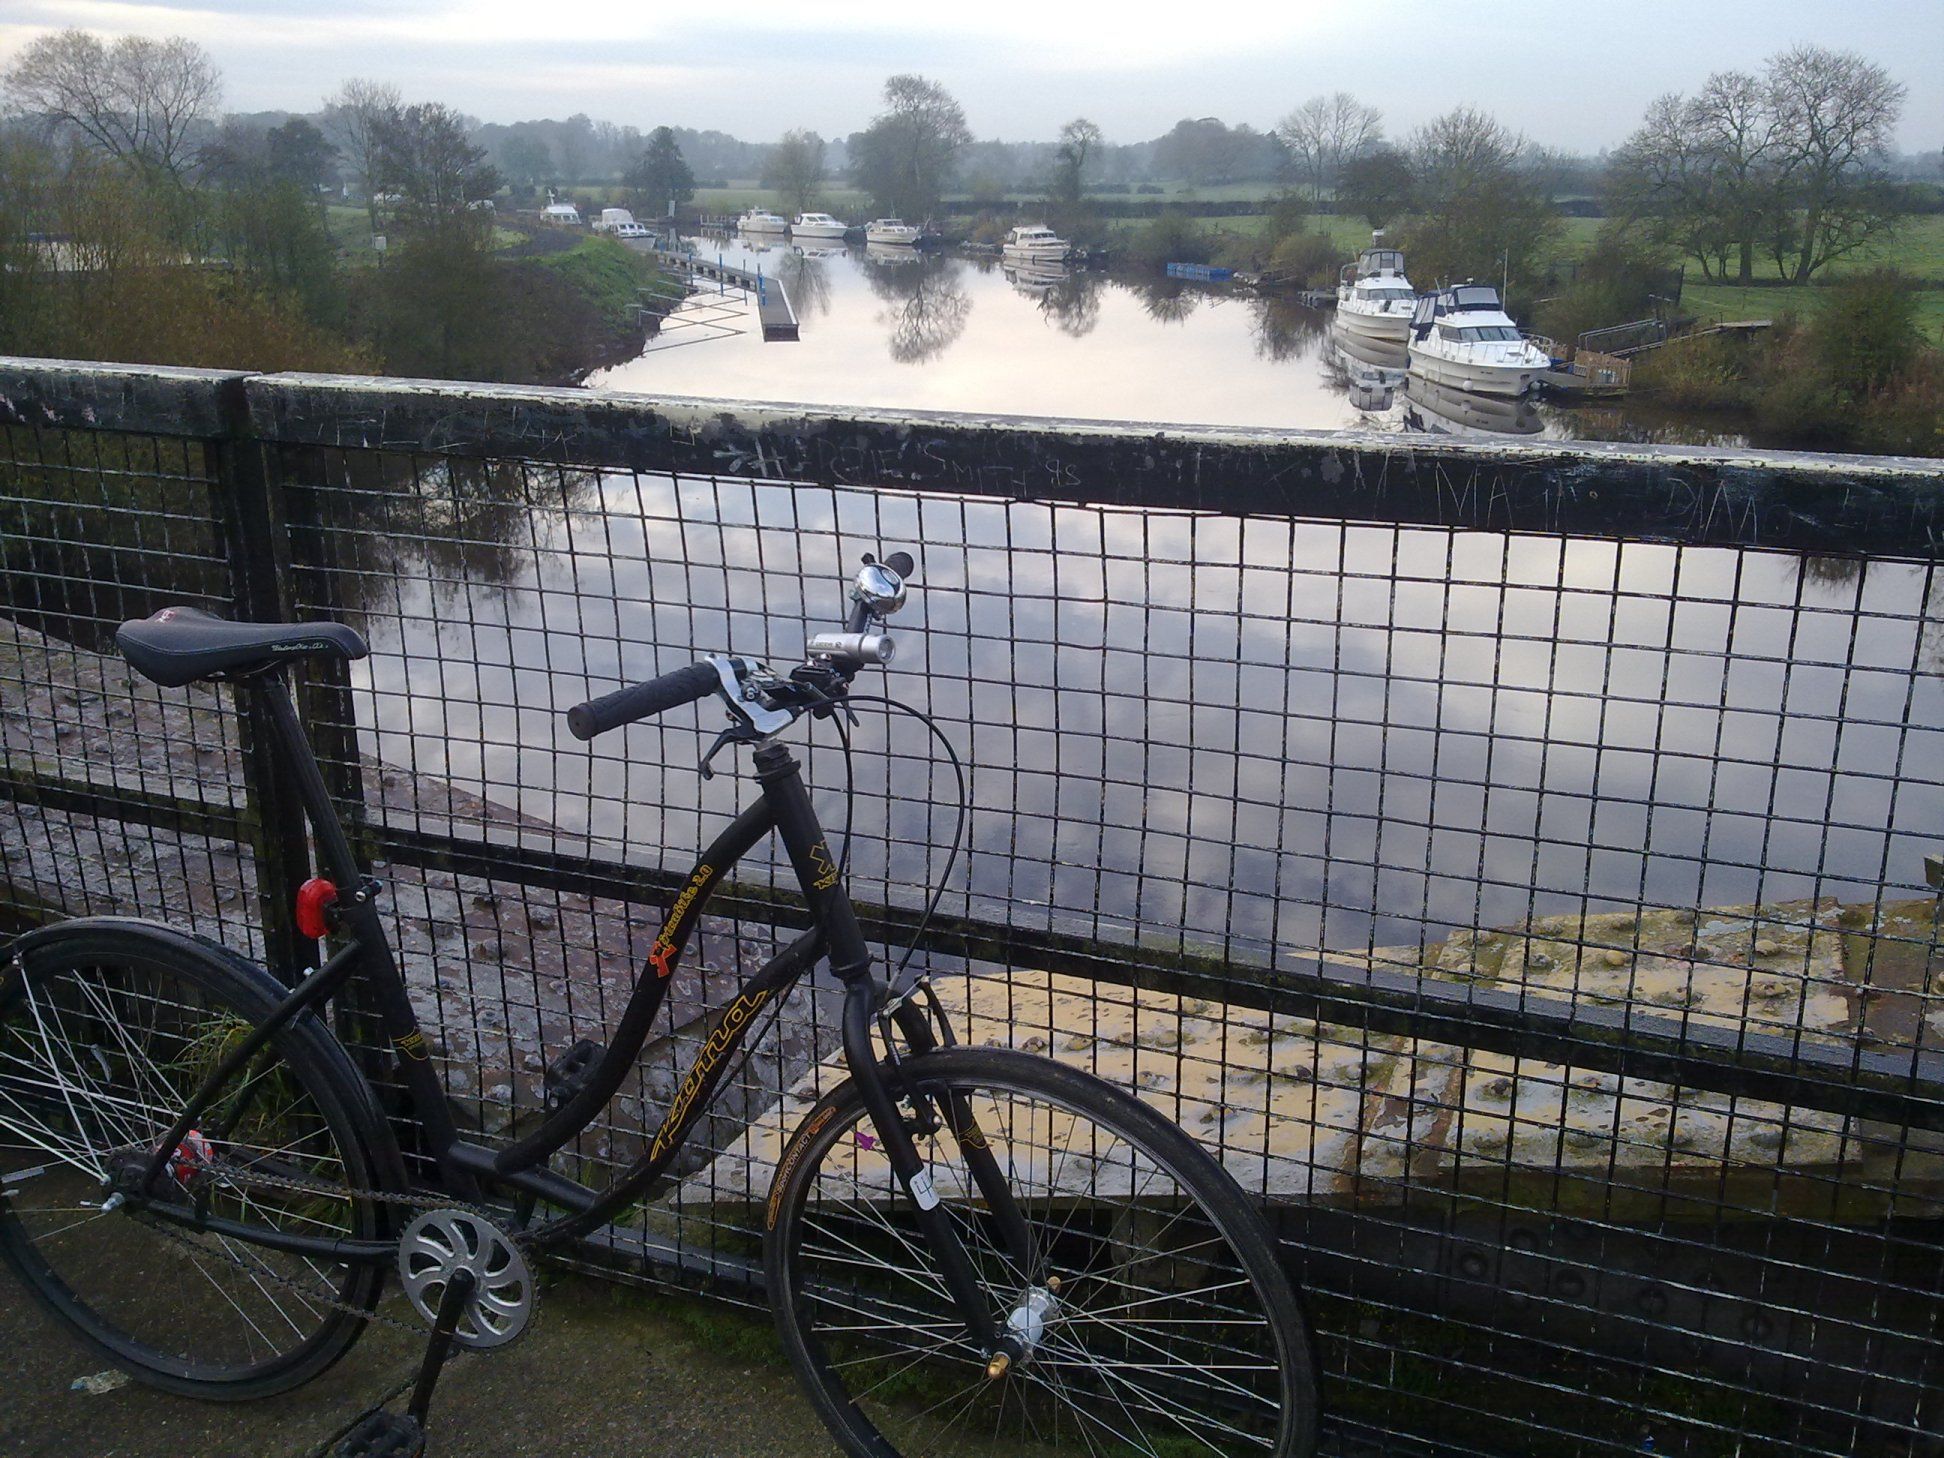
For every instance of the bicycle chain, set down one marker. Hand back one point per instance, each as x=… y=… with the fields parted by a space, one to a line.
x=231 y=1176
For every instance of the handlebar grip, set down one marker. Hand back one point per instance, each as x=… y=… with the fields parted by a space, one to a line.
x=638 y=701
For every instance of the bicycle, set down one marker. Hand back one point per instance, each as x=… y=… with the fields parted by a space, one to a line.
x=968 y=1245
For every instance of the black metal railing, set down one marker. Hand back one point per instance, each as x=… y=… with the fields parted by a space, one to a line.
x=1508 y=858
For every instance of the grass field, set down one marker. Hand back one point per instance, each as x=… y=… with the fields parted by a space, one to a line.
x=1916 y=249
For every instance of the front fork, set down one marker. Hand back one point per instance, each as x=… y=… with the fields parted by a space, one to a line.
x=850 y=961
x=894 y=1127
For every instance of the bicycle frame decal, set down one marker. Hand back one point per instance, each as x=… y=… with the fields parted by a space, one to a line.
x=674 y=931
x=826 y=868
x=411 y=1046
x=728 y=1033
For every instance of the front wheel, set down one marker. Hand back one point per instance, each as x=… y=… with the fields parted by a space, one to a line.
x=1143 y=1297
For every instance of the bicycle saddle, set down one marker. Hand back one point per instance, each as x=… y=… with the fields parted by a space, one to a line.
x=179 y=645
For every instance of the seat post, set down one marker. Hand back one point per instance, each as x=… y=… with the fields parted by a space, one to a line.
x=293 y=749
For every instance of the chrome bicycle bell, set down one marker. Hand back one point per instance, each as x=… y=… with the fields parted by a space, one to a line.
x=880 y=586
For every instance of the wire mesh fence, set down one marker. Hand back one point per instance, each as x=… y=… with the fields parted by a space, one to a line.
x=1511 y=864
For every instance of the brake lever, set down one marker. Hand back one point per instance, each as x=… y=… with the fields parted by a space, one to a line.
x=732 y=735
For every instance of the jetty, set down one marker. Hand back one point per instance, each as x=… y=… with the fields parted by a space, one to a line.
x=774 y=311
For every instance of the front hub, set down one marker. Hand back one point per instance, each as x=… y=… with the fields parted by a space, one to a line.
x=1026 y=1325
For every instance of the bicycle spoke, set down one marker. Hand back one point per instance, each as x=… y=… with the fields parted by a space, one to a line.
x=1154 y=1339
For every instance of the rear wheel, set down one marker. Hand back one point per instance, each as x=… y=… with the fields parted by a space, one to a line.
x=1147 y=1307
x=104 y=1035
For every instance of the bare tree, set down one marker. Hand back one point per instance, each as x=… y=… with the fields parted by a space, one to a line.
x=795 y=169
x=907 y=156
x=1325 y=133
x=356 y=120
x=1480 y=212
x=142 y=101
x=1789 y=163
x=1080 y=140
x=1662 y=180
x=1835 y=113
x=1733 y=125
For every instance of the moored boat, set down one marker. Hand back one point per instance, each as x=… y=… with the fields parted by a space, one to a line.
x=817 y=225
x=1374 y=298
x=894 y=231
x=760 y=220
x=1035 y=243
x=1462 y=338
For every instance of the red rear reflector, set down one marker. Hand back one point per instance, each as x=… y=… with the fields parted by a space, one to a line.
x=314 y=898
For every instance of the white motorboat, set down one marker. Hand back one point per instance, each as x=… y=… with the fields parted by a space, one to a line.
x=817 y=225
x=891 y=230
x=625 y=231
x=1374 y=298
x=1035 y=243
x=1462 y=338
x=759 y=220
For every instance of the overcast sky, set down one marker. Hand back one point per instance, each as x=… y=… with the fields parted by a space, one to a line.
x=1569 y=73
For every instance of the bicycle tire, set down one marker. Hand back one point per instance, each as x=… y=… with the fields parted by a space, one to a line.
x=106 y=1027
x=875 y=1340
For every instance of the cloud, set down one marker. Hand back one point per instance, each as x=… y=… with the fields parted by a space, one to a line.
x=1565 y=75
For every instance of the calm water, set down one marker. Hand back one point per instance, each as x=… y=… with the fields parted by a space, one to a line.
x=888 y=327
x=1177 y=727
x=1242 y=733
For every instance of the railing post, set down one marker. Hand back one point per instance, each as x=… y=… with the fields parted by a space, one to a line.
x=250 y=512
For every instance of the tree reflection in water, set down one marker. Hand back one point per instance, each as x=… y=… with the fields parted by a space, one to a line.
x=1073 y=304
x=1167 y=300
x=807 y=279
x=460 y=526
x=926 y=306
x=1285 y=329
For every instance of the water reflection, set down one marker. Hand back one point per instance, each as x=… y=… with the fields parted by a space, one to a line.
x=805 y=275
x=1585 y=720
x=1285 y=329
x=1073 y=305
x=1362 y=355
x=970 y=335
x=925 y=304
x=1167 y=300
x=1440 y=410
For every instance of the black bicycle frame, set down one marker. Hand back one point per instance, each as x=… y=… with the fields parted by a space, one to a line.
x=783 y=808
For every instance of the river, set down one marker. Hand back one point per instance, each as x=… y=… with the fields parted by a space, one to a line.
x=1249 y=733
x=887 y=327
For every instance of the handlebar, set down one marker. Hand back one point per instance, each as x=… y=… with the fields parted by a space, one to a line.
x=639 y=701
x=766 y=703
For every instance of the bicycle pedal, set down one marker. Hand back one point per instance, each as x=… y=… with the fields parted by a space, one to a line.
x=568 y=1074
x=383 y=1434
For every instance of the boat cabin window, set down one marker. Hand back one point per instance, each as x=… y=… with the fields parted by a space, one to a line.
x=1478 y=333
x=1387 y=294
x=1474 y=298
x=1383 y=260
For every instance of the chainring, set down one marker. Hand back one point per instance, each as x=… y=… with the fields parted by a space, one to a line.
x=440 y=1243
